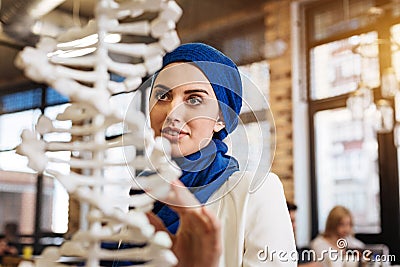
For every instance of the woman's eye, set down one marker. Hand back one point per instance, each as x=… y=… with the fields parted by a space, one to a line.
x=195 y=100
x=161 y=95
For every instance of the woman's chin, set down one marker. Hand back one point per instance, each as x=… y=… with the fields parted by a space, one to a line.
x=175 y=151
x=178 y=152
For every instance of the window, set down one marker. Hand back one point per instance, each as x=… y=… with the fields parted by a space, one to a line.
x=347 y=168
x=336 y=70
x=18 y=181
x=59 y=214
x=19 y=184
x=352 y=164
x=343 y=145
x=256 y=122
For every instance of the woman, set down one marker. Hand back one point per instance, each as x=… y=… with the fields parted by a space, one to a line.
x=338 y=236
x=194 y=103
x=8 y=244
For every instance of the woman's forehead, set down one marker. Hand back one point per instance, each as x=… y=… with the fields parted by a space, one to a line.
x=180 y=73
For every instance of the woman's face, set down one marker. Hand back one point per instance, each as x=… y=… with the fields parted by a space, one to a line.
x=184 y=108
x=344 y=228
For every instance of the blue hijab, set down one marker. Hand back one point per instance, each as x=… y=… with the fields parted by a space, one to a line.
x=204 y=171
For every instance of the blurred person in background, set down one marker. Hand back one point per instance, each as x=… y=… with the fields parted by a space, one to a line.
x=8 y=244
x=338 y=236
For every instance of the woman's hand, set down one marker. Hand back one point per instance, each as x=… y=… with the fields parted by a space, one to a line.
x=197 y=242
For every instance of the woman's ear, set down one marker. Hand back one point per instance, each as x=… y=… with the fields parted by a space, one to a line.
x=219 y=125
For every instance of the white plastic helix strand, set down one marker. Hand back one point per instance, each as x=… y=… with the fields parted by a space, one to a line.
x=86 y=81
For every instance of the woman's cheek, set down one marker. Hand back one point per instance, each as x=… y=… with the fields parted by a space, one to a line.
x=156 y=121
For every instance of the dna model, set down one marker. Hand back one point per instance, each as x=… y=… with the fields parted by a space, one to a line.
x=117 y=217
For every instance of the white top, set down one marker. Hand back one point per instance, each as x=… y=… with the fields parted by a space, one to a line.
x=253 y=223
x=320 y=244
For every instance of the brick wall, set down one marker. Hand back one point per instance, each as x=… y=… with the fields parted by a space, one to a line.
x=277 y=22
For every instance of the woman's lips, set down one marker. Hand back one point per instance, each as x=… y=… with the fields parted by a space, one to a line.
x=173 y=134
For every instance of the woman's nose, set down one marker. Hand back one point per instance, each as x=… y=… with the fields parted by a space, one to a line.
x=176 y=112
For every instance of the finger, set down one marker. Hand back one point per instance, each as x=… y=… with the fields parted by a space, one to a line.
x=201 y=222
x=181 y=199
x=212 y=221
x=214 y=227
x=158 y=224
x=156 y=221
x=198 y=222
x=206 y=221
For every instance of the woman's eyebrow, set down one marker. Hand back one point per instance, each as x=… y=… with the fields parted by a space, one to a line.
x=164 y=87
x=190 y=91
x=196 y=91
